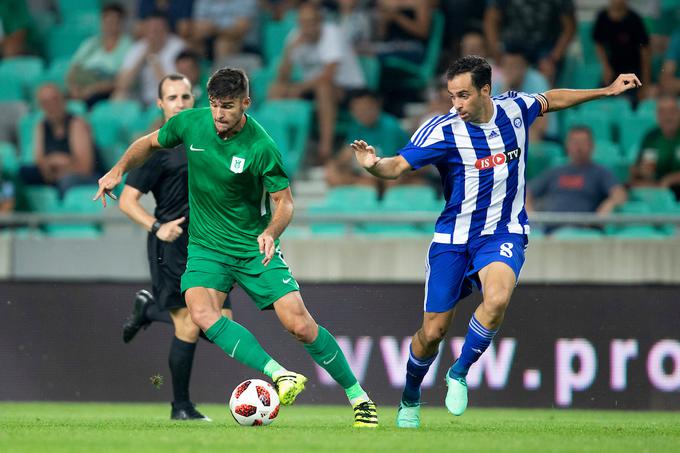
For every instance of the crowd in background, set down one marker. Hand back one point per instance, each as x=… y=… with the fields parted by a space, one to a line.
x=370 y=69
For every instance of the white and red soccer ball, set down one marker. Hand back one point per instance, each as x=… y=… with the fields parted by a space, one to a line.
x=254 y=403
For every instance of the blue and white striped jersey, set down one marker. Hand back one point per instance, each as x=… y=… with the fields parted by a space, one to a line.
x=481 y=167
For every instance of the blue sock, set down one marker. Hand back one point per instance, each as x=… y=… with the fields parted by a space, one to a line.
x=416 y=369
x=478 y=338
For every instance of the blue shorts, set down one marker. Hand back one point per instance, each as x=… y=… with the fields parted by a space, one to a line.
x=451 y=270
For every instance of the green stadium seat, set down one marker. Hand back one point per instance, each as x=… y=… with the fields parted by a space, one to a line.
x=260 y=81
x=576 y=234
x=371 y=69
x=9 y=160
x=289 y=123
x=113 y=122
x=608 y=154
x=43 y=199
x=56 y=73
x=274 y=35
x=411 y=198
x=638 y=232
x=77 y=200
x=646 y=107
x=543 y=156
x=390 y=230
x=26 y=128
x=11 y=88
x=63 y=40
x=28 y=69
x=658 y=199
x=632 y=131
x=420 y=75
x=600 y=125
x=585 y=38
x=343 y=199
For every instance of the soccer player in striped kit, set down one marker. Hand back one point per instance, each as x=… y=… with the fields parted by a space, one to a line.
x=480 y=150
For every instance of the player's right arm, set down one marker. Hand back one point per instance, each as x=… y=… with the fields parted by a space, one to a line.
x=138 y=153
x=382 y=167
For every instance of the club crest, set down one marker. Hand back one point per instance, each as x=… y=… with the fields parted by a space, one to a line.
x=237 y=164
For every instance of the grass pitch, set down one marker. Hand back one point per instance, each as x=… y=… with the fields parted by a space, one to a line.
x=94 y=427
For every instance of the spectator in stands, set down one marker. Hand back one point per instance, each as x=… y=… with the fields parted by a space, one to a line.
x=278 y=9
x=188 y=63
x=403 y=27
x=92 y=74
x=546 y=28
x=222 y=29
x=148 y=60
x=670 y=71
x=355 y=23
x=15 y=21
x=622 y=45
x=473 y=42
x=369 y=123
x=329 y=69
x=7 y=199
x=63 y=151
x=579 y=186
x=519 y=76
x=178 y=13
x=460 y=18
x=658 y=163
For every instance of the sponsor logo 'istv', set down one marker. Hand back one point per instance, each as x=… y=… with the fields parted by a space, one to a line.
x=495 y=160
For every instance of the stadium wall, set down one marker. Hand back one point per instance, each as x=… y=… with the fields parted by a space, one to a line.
x=120 y=255
x=614 y=347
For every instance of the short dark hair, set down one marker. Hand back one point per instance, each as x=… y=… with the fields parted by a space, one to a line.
x=189 y=54
x=364 y=93
x=477 y=66
x=228 y=83
x=174 y=76
x=114 y=8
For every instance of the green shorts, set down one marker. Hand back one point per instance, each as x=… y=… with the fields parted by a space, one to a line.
x=264 y=284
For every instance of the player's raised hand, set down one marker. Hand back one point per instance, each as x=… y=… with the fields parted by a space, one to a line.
x=266 y=243
x=170 y=231
x=624 y=82
x=364 y=153
x=107 y=183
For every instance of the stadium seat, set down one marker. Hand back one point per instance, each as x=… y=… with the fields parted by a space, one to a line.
x=77 y=200
x=371 y=69
x=658 y=199
x=632 y=130
x=26 y=129
x=43 y=199
x=343 y=200
x=274 y=35
x=27 y=69
x=260 y=82
x=9 y=160
x=411 y=198
x=576 y=234
x=63 y=40
x=585 y=38
x=113 y=122
x=289 y=123
x=608 y=154
x=638 y=232
x=56 y=73
x=11 y=88
x=420 y=75
x=542 y=156
x=600 y=125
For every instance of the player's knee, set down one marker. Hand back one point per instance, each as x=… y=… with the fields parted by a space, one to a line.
x=203 y=316
x=433 y=334
x=496 y=300
x=303 y=330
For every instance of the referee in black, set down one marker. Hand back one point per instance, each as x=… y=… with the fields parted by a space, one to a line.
x=165 y=175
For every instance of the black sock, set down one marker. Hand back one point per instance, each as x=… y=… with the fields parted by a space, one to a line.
x=180 y=361
x=153 y=313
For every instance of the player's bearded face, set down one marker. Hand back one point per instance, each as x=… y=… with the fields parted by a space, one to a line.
x=228 y=112
x=466 y=98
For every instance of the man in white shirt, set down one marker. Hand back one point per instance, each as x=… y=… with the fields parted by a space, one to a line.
x=328 y=66
x=149 y=60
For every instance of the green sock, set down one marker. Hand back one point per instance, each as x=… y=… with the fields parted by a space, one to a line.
x=272 y=367
x=239 y=343
x=327 y=353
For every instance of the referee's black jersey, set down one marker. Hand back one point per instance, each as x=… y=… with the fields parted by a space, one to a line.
x=165 y=174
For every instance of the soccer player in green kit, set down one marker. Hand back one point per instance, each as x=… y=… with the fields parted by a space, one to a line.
x=235 y=171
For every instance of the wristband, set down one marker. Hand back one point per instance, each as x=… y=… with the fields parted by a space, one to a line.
x=155 y=227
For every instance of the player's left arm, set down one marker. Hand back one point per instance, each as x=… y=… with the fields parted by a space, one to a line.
x=283 y=213
x=559 y=99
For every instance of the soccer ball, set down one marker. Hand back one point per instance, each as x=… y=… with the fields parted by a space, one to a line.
x=254 y=403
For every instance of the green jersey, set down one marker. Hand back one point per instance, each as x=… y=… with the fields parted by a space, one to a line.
x=229 y=180
x=664 y=151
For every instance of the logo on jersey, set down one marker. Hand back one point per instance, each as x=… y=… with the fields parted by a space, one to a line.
x=493 y=134
x=237 y=164
x=517 y=122
x=495 y=160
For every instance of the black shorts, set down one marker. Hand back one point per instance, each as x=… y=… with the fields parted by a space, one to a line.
x=167 y=262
